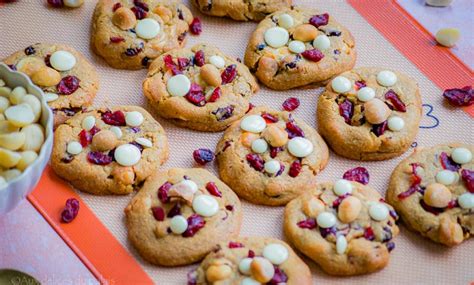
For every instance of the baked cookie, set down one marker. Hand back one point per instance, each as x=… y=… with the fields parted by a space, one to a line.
x=250 y=261
x=109 y=151
x=241 y=10
x=433 y=190
x=199 y=88
x=180 y=215
x=130 y=34
x=370 y=113
x=69 y=81
x=268 y=157
x=345 y=227
x=299 y=46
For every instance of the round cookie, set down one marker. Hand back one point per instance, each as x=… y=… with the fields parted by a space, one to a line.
x=130 y=34
x=69 y=81
x=268 y=157
x=295 y=47
x=252 y=260
x=109 y=151
x=180 y=215
x=199 y=88
x=433 y=190
x=370 y=113
x=347 y=233
x=241 y=10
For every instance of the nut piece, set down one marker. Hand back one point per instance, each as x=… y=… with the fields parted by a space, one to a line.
x=349 y=209
x=262 y=270
x=27 y=158
x=124 y=175
x=30 y=65
x=247 y=138
x=211 y=75
x=8 y=158
x=124 y=18
x=437 y=195
x=448 y=37
x=182 y=191
x=46 y=76
x=218 y=272
x=34 y=137
x=12 y=141
x=312 y=207
x=305 y=33
x=450 y=232
x=104 y=140
x=376 y=111
x=164 y=13
x=275 y=136
x=161 y=229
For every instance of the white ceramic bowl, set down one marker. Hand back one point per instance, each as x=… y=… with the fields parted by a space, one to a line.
x=18 y=188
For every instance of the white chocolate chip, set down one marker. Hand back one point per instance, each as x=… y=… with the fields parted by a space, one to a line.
x=73 y=3
x=244 y=266
x=27 y=158
x=286 y=21
x=326 y=220
x=253 y=124
x=448 y=37
x=259 y=146
x=205 y=205
x=466 y=200
x=272 y=166
x=276 y=37
x=341 y=84
x=127 y=155
x=342 y=187
x=276 y=253
x=12 y=141
x=300 y=147
x=378 y=211
x=74 y=148
x=147 y=28
x=322 y=42
x=178 y=224
x=34 y=103
x=189 y=184
x=249 y=281
x=20 y=115
x=386 y=78
x=62 y=60
x=144 y=142
x=4 y=104
x=117 y=131
x=446 y=177
x=134 y=119
x=88 y=123
x=396 y=123
x=296 y=46
x=17 y=95
x=50 y=97
x=461 y=155
x=178 y=85
x=341 y=244
x=365 y=94
x=217 y=61
x=34 y=137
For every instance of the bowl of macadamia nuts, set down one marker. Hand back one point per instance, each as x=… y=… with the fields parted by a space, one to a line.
x=26 y=136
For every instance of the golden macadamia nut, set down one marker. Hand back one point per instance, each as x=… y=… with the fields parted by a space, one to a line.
x=312 y=207
x=124 y=174
x=211 y=75
x=12 y=141
x=46 y=76
x=124 y=18
x=305 y=33
x=30 y=65
x=8 y=158
x=262 y=269
x=275 y=136
x=247 y=138
x=437 y=195
x=34 y=103
x=349 y=209
x=20 y=115
x=27 y=158
x=376 y=111
x=218 y=272
x=34 y=137
x=450 y=232
x=104 y=140
x=165 y=14
x=17 y=95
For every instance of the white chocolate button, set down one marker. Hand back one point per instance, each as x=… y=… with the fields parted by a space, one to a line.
x=272 y=166
x=134 y=119
x=341 y=84
x=191 y=185
x=34 y=134
x=88 y=123
x=342 y=187
x=378 y=211
x=50 y=97
x=276 y=37
x=446 y=177
x=341 y=244
x=127 y=155
x=62 y=60
x=276 y=253
x=244 y=266
x=448 y=37
x=326 y=220
x=461 y=155
x=144 y=142
x=365 y=94
x=17 y=95
x=253 y=124
x=286 y=21
x=4 y=104
x=300 y=147
x=73 y=3
x=466 y=200
x=396 y=123
x=217 y=61
x=147 y=28
x=296 y=46
x=249 y=281
x=322 y=42
x=386 y=78
x=12 y=141
x=117 y=131
x=178 y=224
x=178 y=85
x=205 y=205
x=259 y=146
x=74 y=148
x=20 y=115
x=34 y=103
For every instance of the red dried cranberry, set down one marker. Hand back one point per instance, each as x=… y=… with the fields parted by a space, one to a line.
x=175 y=210
x=295 y=168
x=448 y=163
x=30 y=50
x=319 y=20
x=216 y=94
x=274 y=151
x=47 y=60
x=360 y=84
x=433 y=210
x=293 y=130
x=390 y=246
x=68 y=85
x=468 y=178
x=393 y=214
x=416 y=179
x=346 y=110
x=163 y=192
x=282 y=168
x=203 y=155
x=141 y=4
x=195 y=223
x=339 y=200
x=229 y=74
x=251 y=254
x=99 y=158
x=453 y=204
x=116 y=6
x=195 y=27
x=158 y=213
x=415 y=184
x=279 y=277
x=359 y=174
x=56 y=3
x=212 y=188
x=94 y=130
x=460 y=97
x=255 y=161
x=235 y=244
x=183 y=62
x=85 y=138
x=395 y=101
x=199 y=58
x=229 y=207
x=168 y=60
x=327 y=231
x=309 y=223
x=116 y=39
x=313 y=55
x=116 y=118
x=251 y=106
x=269 y=118
x=133 y=51
x=369 y=234
x=196 y=95
x=291 y=104
x=223 y=113
x=380 y=129
x=139 y=12
x=70 y=211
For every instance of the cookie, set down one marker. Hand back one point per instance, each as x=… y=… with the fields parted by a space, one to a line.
x=130 y=34
x=69 y=81
x=370 y=113
x=299 y=46
x=249 y=261
x=109 y=151
x=199 y=88
x=345 y=227
x=180 y=215
x=433 y=190
x=241 y=10
x=268 y=157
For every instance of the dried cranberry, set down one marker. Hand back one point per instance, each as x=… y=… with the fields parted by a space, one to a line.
x=433 y=210
x=116 y=6
x=203 y=155
x=360 y=84
x=158 y=213
x=235 y=244
x=116 y=39
x=68 y=85
x=223 y=113
x=460 y=97
x=163 y=192
x=379 y=129
x=251 y=106
x=183 y=62
x=70 y=211
x=395 y=101
x=413 y=189
x=85 y=138
x=47 y=60
x=327 y=231
x=133 y=51
x=139 y=12
x=390 y=246
x=174 y=211
x=293 y=130
x=453 y=204
x=346 y=110
x=99 y=158
x=216 y=94
x=195 y=27
x=251 y=254
x=56 y=3
x=313 y=55
x=282 y=168
x=274 y=151
x=212 y=188
x=30 y=50
x=168 y=60
x=369 y=234
x=319 y=20
x=94 y=130
x=309 y=223
x=359 y=174
x=448 y=163
x=229 y=207
x=269 y=118
x=339 y=200
x=295 y=168
x=468 y=178
x=291 y=104
x=229 y=74
x=199 y=58
x=145 y=61
x=195 y=223
x=255 y=161
x=393 y=214
x=196 y=95
x=279 y=277
x=141 y=4
x=73 y=203
x=116 y=118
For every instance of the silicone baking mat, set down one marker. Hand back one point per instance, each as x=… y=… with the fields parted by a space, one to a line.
x=385 y=36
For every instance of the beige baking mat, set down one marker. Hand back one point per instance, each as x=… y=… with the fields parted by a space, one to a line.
x=415 y=260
